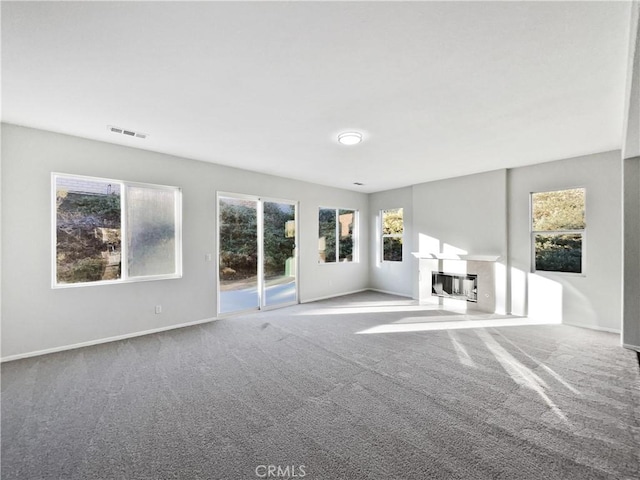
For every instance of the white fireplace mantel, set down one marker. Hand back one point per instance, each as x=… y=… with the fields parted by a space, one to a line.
x=457 y=256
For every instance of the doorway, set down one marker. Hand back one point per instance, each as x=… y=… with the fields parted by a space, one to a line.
x=257 y=254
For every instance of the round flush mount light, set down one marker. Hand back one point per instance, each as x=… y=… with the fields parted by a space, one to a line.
x=350 y=138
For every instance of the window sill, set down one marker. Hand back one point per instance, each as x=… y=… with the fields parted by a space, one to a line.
x=153 y=278
x=547 y=273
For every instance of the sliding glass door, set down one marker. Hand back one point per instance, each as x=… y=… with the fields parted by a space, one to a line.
x=256 y=253
x=279 y=260
x=237 y=254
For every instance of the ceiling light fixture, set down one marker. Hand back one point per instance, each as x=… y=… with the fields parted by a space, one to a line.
x=350 y=138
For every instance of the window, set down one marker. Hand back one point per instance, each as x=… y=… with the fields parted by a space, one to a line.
x=392 y=232
x=558 y=230
x=110 y=231
x=337 y=233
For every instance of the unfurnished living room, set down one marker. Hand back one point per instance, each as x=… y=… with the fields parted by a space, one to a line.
x=320 y=240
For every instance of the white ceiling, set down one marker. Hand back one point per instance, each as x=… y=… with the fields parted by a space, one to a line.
x=438 y=89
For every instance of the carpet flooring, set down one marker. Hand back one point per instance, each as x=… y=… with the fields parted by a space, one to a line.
x=304 y=392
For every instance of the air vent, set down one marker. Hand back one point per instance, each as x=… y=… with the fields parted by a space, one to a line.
x=129 y=133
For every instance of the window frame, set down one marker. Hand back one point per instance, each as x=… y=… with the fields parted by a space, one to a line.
x=124 y=274
x=355 y=235
x=390 y=235
x=582 y=232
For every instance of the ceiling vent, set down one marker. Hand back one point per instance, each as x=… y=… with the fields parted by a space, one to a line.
x=129 y=133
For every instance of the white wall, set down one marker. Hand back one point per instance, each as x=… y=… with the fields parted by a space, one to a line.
x=393 y=277
x=36 y=317
x=462 y=215
x=631 y=189
x=631 y=249
x=467 y=213
x=590 y=300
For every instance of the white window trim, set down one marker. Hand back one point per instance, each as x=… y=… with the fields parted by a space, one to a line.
x=260 y=227
x=124 y=278
x=356 y=235
x=390 y=235
x=533 y=233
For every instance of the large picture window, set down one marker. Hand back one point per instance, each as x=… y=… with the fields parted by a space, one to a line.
x=558 y=230
x=337 y=233
x=392 y=228
x=114 y=231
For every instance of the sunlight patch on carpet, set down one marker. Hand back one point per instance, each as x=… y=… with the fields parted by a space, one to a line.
x=462 y=323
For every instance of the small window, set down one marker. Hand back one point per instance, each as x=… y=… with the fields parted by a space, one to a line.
x=558 y=230
x=337 y=234
x=392 y=229
x=110 y=231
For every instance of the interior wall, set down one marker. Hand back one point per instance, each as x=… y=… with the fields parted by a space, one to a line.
x=631 y=189
x=36 y=317
x=462 y=215
x=392 y=277
x=631 y=249
x=593 y=298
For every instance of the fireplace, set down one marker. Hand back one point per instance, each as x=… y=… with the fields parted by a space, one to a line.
x=454 y=285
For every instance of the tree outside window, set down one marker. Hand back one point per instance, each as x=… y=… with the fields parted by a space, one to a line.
x=91 y=216
x=392 y=234
x=558 y=230
x=336 y=235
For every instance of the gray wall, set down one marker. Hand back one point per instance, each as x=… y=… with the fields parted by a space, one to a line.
x=590 y=300
x=393 y=277
x=36 y=317
x=470 y=213
x=631 y=189
x=631 y=248
x=488 y=214
x=465 y=213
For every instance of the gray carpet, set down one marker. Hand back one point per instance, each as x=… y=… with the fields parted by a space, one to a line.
x=299 y=388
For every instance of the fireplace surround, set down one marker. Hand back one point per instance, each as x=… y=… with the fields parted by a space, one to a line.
x=487 y=293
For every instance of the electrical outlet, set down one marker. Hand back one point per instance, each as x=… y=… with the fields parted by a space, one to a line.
x=158 y=308
x=208 y=257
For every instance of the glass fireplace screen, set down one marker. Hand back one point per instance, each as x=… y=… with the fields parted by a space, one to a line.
x=455 y=285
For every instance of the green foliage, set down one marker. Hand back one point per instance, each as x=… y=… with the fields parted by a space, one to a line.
x=79 y=247
x=393 y=222
x=103 y=210
x=559 y=253
x=559 y=210
x=329 y=245
x=346 y=248
x=327 y=230
x=277 y=246
x=345 y=243
x=239 y=238
x=392 y=249
x=83 y=270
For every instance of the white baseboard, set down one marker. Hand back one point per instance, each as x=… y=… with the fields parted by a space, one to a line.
x=389 y=292
x=594 y=327
x=103 y=340
x=632 y=347
x=341 y=294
